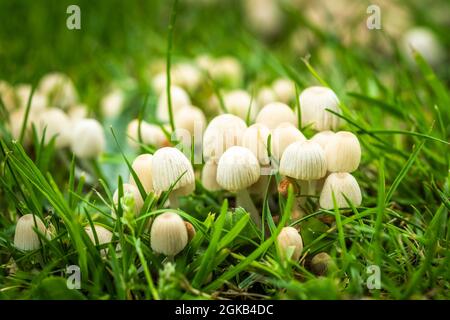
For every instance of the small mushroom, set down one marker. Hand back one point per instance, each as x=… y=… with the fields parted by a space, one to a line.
x=142 y=166
x=343 y=152
x=88 y=139
x=25 y=236
x=104 y=236
x=168 y=234
x=275 y=113
x=284 y=135
x=341 y=184
x=289 y=240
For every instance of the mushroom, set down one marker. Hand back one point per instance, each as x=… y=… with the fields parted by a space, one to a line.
x=130 y=191
x=343 y=185
x=59 y=89
x=190 y=118
x=104 y=236
x=323 y=138
x=149 y=133
x=343 y=152
x=25 y=237
x=88 y=139
x=276 y=113
x=289 y=240
x=179 y=99
x=284 y=90
x=239 y=102
x=265 y=96
x=142 y=166
x=55 y=123
x=168 y=234
x=313 y=103
x=112 y=103
x=209 y=173
x=282 y=136
x=171 y=167
x=237 y=170
x=424 y=41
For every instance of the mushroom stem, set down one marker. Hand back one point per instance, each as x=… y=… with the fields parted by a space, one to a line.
x=173 y=199
x=243 y=200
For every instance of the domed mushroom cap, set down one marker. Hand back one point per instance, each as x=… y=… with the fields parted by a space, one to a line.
x=283 y=136
x=303 y=160
x=168 y=165
x=424 y=41
x=340 y=184
x=179 y=99
x=265 y=96
x=142 y=166
x=130 y=190
x=25 y=236
x=323 y=138
x=55 y=123
x=343 y=152
x=59 y=89
x=227 y=70
x=313 y=102
x=222 y=132
x=276 y=113
x=103 y=234
x=168 y=234
x=88 y=139
x=238 y=102
x=237 y=169
x=255 y=139
x=284 y=89
x=150 y=134
x=112 y=103
x=190 y=118
x=290 y=238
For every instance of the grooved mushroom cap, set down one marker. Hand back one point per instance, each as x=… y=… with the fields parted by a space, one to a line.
x=150 y=134
x=343 y=152
x=255 y=139
x=209 y=174
x=283 y=136
x=55 y=123
x=340 y=184
x=276 y=113
x=168 y=165
x=103 y=236
x=237 y=169
x=142 y=165
x=303 y=160
x=222 y=132
x=323 y=138
x=179 y=99
x=168 y=234
x=130 y=190
x=190 y=118
x=313 y=102
x=289 y=237
x=25 y=236
x=238 y=103
x=284 y=89
x=88 y=139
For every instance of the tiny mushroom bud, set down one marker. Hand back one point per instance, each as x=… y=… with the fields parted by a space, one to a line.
x=283 y=136
x=147 y=133
x=290 y=241
x=25 y=237
x=255 y=139
x=313 y=102
x=168 y=234
x=104 y=236
x=343 y=152
x=190 y=118
x=284 y=90
x=223 y=132
x=276 y=113
x=239 y=103
x=54 y=122
x=131 y=191
x=320 y=263
x=323 y=138
x=340 y=184
x=170 y=165
x=179 y=99
x=142 y=166
x=88 y=139
x=237 y=170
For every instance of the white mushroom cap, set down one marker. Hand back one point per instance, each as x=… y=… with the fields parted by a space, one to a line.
x=303 y=160
x=222 y=132
x=168 y=165
x=265 y=17
x=25 y=236
x=159 y=82
x=8 y=95
x=88 y=139
x=142 y=165
x=313 y=102
x=237 y=169
x=55 y=123
x=424 y=41
x=284 y=90
x=168 y=234
x=238 y=102
x=323 y=138
x=16 y=119
x=77 y=112
x=104 y=236
x=180 y=99
x=59 y=89
x=228 y=70
x=340 y=184
x=112 y=103
x=38 y=102
x=187 y=76
x=265 y=96
x=283 y=136
x=150 y=134
x=290 y=239
x=276 y=113
x=129 y=190
x=209 y=174
x=255 y=139
x=343 y=152
x=190 y=118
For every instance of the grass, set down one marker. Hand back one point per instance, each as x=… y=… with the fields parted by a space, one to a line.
x=399 y=112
